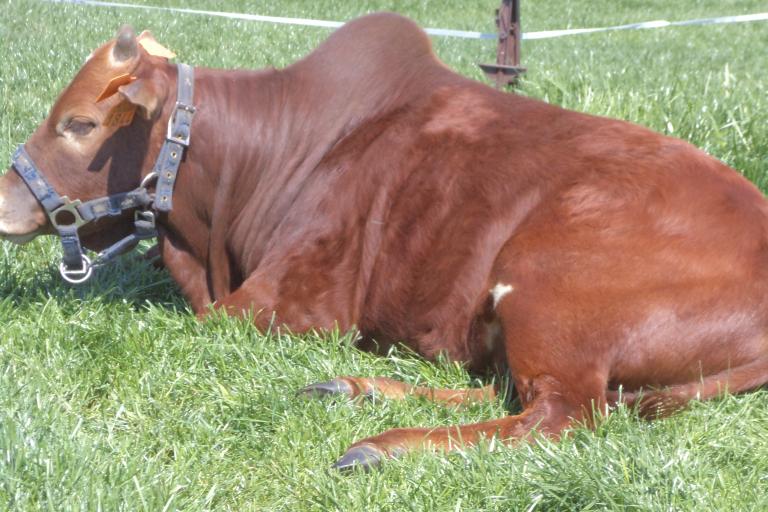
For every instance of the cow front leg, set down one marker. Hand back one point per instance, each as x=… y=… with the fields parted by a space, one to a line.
x=553 y=407
x=187 y=271
x=383 y=387
x=273 y=296
x=257 y=300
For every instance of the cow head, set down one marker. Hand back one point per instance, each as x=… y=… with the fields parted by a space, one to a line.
x=95 y=140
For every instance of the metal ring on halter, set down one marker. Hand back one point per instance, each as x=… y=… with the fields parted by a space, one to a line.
x=148 y=179
x=77 y=276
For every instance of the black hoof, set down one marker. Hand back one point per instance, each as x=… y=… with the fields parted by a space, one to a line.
x=365 y=457
x=332 y=388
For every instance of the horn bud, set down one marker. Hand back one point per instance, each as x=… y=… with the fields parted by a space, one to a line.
x=126 y=46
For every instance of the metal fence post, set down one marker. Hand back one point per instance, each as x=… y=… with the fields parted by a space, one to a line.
x=507 y=67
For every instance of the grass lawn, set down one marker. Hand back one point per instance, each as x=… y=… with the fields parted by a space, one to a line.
x=113 y=397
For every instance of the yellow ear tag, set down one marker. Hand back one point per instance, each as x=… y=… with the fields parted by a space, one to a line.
x=114 y=85
x=154 y=48
x=120 y=115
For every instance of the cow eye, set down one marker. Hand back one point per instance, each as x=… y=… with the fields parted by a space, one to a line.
x=80 y=126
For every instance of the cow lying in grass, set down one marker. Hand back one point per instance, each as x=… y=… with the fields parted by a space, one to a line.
x=363 y=187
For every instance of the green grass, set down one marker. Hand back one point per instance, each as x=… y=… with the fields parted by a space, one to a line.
x=113 y=397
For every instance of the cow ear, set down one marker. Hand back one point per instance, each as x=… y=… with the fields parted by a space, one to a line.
x=126 y=45
x=152 y=47
x=145 y=94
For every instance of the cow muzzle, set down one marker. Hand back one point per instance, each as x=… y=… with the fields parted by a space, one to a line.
x=68 y=216
x=21 y=217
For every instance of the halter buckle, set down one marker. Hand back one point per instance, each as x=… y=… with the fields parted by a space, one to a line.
x=70 y=207
x=179 y=134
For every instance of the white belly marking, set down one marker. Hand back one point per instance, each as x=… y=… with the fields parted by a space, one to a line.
x=499 y=291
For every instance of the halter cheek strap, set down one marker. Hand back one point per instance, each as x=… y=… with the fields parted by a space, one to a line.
x=68 y=216
x=176 y=139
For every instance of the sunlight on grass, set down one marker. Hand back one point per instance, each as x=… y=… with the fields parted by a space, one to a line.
x=116 y=398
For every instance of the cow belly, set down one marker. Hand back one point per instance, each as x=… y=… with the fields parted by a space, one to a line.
x=441 y=306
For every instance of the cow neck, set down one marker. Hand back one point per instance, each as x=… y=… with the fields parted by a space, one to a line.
x=258 y=134
x=226 y=163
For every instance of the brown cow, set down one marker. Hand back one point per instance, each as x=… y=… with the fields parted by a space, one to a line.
x=363 y=187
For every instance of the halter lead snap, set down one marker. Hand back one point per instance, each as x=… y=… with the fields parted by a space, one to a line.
x=77 y=276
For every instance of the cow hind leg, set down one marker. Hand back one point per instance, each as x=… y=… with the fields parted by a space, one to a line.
x=556 y=389
x=655 y=403
x=375 y=387
x=554 y=406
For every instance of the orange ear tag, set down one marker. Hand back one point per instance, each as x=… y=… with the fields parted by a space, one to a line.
x=155 y=49
x=120 y=115
x=114 y=85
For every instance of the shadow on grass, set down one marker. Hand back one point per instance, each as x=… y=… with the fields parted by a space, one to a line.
x=128 y=280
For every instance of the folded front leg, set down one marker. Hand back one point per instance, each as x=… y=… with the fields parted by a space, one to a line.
x=187 y=271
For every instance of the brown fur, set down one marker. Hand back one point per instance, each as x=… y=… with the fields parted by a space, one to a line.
x=366 y=186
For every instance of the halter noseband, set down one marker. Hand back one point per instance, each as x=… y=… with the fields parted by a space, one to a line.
x=68 y=216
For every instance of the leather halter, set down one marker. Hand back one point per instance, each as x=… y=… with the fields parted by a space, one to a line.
x=68 y=216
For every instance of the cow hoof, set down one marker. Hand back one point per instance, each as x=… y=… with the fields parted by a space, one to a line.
x=365 y=457
x=333 y=387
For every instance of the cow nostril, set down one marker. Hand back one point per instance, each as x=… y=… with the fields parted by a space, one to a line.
x=65 y=218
